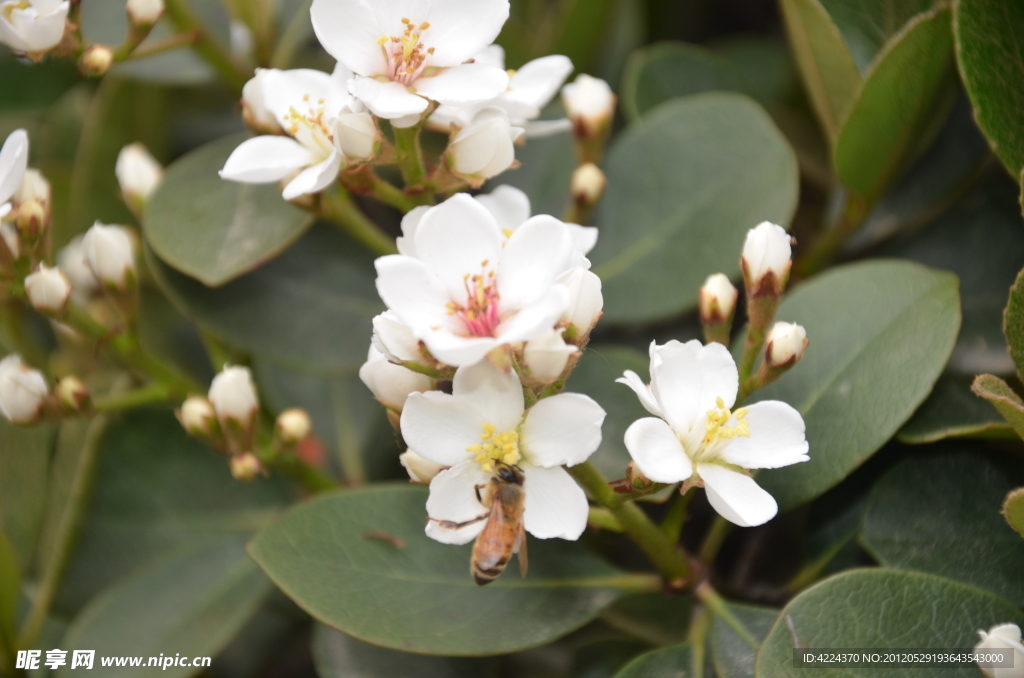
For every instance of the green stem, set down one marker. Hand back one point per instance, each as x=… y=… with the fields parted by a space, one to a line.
x=233 y=74
x=315 y=480
x=603 y=518
x=338 y=206
x=669 y=560
x=67 y=532
x=717 y=605
x=409 y=156
x=810 y=572
x=697 y=637
x=149 y=395
x=672 y=525
x=164 y=44
x=714 y=539
x=751 y=350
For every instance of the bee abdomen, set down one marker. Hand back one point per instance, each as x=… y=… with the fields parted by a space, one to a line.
x=485 y=576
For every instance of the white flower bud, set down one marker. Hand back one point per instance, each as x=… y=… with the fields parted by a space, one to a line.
x=585 y=300
x=48 y=289
x=22 y=391
x=110 y=255
x=718 y=299
x=485 y=147
x=73 y=394
x=245 y=466
x=72 y=262
x=357 y=135
x=546 y=356
x=31 y=219
x=392 y=338
x=391 y=384
x=198 y=417
x=33 y=26
x=254 y=111
x=96 y=61
x=294 y=425
x=145 y=12
x=34 y=186
x=786 y=344
x=234 y=399
x=767 y=250
x=420 y=470
x=590 y=105
x=1003 y=637
x=138 y=174
x=588 y=183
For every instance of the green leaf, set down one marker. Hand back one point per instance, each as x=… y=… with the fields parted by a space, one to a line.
x=192 y=601
x=583 y=31
x=24 y=467
x=1003 y=398
x=685 y=184
x=216 y=230
x=545 y=174
x=868 y=25
x=653 y=617
x=828 y=70
x=328 y=556
x=881 y=332
x=896 y=105
x=732 y=655
x=595 y=376
x=1013 y=510
x=604 y=658
x=1013 y=322
x=671 y=662
x=990 y=51
x=940 y=514
x=339 y=656
x=309 y=309
x=32 y=86
x=953 y=411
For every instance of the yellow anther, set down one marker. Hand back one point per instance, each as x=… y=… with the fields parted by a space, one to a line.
x=405 y=21
x=717 y=426
x=425 y=25
x=502 y=447
x=383 y=40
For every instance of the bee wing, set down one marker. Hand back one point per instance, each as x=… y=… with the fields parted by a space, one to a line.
x=520 y=548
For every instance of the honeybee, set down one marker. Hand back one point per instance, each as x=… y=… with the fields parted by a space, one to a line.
x=504 y=533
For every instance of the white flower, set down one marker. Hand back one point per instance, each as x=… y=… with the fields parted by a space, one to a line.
x=110 y=255
x=767 y=250
x=145 y=11
x=233 y=396
x=391 y=384
x=482 y=423
x=485 y=148
x=406 y=53
x=32 y=26
x=1003 y=637
x=786 y=344
x=590 y=104
x=307 y=104
x=257 y=116
x=468 y=290
x=138 y=173
x=22 y=390
x=72 y=262
x=530 y=89
x=48 y=289
x=545 y=357
x=13 y=162
x=34 y=186
x=586 y=303
x=718 y=299
x=696 y=434
x=420 y=470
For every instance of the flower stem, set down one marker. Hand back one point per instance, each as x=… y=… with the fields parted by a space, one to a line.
x=337 y=205
x=716 y=604
x=365 y=180
x=697 y=638
x=410 y=155
x=148 y=395
x=313 y=479
x=672 y=525
x=164 y=44
x=751 y=350
x=714 y=539
x=603 y=518
x=209 y=48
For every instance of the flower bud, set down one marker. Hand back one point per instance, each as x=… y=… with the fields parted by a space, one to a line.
x=34 y=186
x=22 y=391
x=766 y=260
x=145 y=12
x=392 y=338
x=546 y=357
x=33 y=26
x=1005 y=638
x=484 y=148
x=590 y=105
x=198 y=417
x=31 y=219
x=110 y=255
x=236 y=403
x=585 y=303
x=96 y=61
x=588 y=184
x=72 y=262
x=48 y=289
x=73 y=394
x=138 y=174
x=718 y=299
x=786 y=345
x=254 y=111
x=357 y=135
x=245 y=466
x=391 y=384
x=294 y=426
x=420 y=470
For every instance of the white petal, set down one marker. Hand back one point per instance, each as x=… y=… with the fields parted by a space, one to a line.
x=440 y=426
x=392 y=338
x=389 y=100
x=690 y=379
x=536 y=319
x=585 y=237
x=13 y=162
x=536 y=254
x=496 y=395
x=492 y=55
x=555 y=504
x=410 y=222
x=453 y=498
x=462 y=85
x=736 y=497
x=404 y=121
x=776 y=438
x=642 y=390
x=266 y=159
x=538 y=129
x=537 y=82
x=459 y=29
x=314 y=179
x=301 y=89
x=563 y=429
x=410 y=289
x=455 y=238
x=348 y=30
x=509 y=206
x=657 y=451
x=457 y=351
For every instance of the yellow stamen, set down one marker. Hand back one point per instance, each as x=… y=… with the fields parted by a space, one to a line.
x=717 y=426
x=503 y=447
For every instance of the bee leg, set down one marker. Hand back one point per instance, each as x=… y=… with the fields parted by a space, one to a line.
x=476 y=489
x=451 y=525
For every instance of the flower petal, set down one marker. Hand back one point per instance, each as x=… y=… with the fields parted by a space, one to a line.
x=585 y=237
x=440 y=426
x=642 y=390
x=459 y=29
x=455 y=350
x=536 y=319
x=13 y=163
x=266 y=159
x=410 y=222
x=776 y=438
x=690 y=378
x=537 y=82
x=453 y=498
x=410 y=289
x=464 y=84
x=454 y=239
x=496 y=395
x=563 y=429
x=314 y=179
x=555 y=504
x=389 y=100
x=301 y=89
x=348 y=30
x=736 y=497
x=535 y=255
x=657 y=451
x=509 y=206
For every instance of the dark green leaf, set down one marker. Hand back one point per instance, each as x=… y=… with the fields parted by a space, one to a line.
x=867 y=25
x=583 y=31
x=216 y=230
x=953 y=411
x=880 y=609
x=192 y=601
x=10 y=592
x=990 y=51
x=604 y=658
x=1013 y=322
x=653 y=617
x=309 y=309
x=671 y=662
x=881 y=332
x=732 y=655
x=1013 y=510
x=765 y=63
x=546 y=172
x=417 y=595
x=940 y=514
x=24 y=467
x=29 y=86
x=1003 y=398
x=685 y=184
x=896 y=105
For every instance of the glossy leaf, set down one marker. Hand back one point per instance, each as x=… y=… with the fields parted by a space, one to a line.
x=732 y=655
x=896 y=104
x=940 y=514
x=685 y=183
x=989 y=39
x=1013 y=510
x=216 y=230
x=867 y=25
x=192 y=601
x=954 y=411
x=24 y=467
x=1013 y=322
x=670 y=662
x=881 y=332
x=309 y=309
x=878 y=609
x=346 y=557
x=1003 y=398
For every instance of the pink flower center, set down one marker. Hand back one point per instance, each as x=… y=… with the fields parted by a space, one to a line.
x=479 y=313
x=405 y=54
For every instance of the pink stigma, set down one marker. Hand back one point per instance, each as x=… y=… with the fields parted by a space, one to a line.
x=479 y=313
